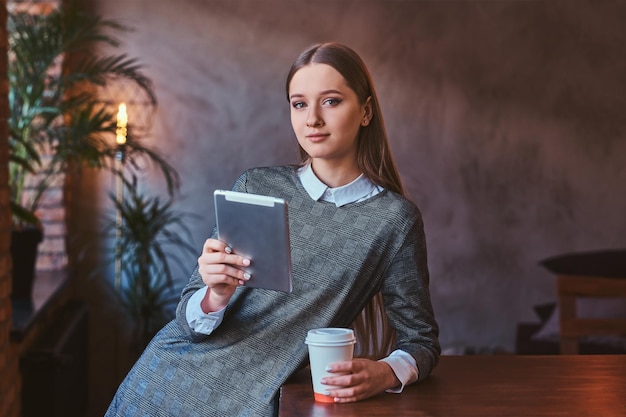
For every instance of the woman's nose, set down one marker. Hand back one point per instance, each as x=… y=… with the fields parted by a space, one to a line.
x=313 y=119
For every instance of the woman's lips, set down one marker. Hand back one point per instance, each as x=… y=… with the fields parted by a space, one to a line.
x=317 y=137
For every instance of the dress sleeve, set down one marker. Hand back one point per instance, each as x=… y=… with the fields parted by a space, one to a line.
x=407 y=301
x=195 y=282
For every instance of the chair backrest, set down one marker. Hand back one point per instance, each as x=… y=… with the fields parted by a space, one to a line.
x=573 y=328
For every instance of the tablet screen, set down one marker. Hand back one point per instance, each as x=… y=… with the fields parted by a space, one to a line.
x=257 y=227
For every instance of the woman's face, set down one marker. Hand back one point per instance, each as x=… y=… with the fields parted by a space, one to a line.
x=326 y=114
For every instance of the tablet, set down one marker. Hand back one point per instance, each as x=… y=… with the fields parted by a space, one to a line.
x=257 y=227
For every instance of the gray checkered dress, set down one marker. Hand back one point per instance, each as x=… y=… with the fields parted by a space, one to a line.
x=341 y=256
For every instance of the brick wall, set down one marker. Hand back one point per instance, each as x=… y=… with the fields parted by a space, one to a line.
x=52 y=254
x=10 y=378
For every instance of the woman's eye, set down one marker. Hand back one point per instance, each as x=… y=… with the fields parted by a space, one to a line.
x=297 y=105
x=331 y=101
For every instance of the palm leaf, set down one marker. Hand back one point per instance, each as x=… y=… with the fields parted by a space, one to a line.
x=58 y=108
x=150 y=227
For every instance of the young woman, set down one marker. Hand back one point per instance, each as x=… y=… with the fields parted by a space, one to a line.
x=355 y=240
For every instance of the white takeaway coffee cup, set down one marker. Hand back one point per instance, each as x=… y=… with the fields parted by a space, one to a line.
x=327 y=345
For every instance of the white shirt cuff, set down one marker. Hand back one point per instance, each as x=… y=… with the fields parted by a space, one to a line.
x=405 y=368
x=199 y=321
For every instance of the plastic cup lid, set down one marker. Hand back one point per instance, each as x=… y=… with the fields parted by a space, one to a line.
x=330 y=336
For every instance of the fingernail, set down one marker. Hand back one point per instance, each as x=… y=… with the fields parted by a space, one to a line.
x=247 y=276
x=326 y=392
x=246 y=261
x=241 y=282
x=228 y=249
x=328 y=368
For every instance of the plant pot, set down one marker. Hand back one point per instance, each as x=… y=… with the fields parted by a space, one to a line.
x=24 y=244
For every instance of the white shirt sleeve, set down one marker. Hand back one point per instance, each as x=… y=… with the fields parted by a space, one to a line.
x=199 y=321
x=405 y=368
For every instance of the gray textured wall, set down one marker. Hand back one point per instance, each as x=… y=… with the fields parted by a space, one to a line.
x=506 y=119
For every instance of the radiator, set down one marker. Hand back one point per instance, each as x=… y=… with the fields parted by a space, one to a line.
x=54 y=371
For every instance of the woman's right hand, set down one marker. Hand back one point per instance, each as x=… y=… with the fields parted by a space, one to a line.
x=221 y=272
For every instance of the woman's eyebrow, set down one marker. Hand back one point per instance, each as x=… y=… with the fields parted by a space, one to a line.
x=322 y=93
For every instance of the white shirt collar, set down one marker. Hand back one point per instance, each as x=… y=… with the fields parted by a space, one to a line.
x=359 y=189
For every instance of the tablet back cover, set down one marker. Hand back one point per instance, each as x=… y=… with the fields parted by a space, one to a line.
x=257 y=227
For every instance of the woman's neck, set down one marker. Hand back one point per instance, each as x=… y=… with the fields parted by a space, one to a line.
x=334 y=175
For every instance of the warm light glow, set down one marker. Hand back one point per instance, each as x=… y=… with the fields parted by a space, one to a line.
x=122 y=121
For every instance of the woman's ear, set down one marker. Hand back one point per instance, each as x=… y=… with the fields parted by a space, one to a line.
x=367 y=112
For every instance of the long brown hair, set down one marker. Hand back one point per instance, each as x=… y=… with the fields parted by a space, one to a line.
x=375 y=338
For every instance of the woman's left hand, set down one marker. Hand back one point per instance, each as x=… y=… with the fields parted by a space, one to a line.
x=365 y=379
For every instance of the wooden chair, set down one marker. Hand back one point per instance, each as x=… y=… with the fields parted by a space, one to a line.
x=600 y=274
x=572 y=327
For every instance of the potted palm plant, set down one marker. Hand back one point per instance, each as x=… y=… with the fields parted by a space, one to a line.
x=151 y=233
x=58 y=122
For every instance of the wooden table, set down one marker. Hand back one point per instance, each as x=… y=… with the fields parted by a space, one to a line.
x=499 y=386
